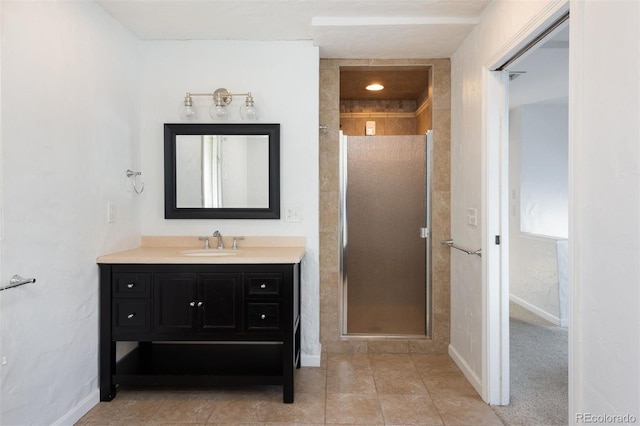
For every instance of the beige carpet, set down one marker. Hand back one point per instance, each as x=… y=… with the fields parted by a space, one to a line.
x=539 y=372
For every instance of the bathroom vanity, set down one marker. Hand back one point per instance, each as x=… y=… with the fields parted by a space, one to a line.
x=201 y=317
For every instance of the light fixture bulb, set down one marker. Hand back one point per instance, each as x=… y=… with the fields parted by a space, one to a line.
x=186 y=110
x=219 y=112
x=374 y=87
x=248 y=111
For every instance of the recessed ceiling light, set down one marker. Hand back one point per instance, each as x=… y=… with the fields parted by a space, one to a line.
x=375 y=87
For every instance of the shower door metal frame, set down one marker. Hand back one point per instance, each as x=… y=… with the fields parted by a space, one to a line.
x=425 y=233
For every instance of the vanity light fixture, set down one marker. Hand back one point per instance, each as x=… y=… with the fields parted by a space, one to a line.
x=219 y=110
x=374 y=87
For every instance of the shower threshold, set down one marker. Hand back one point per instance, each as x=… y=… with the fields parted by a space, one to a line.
x=367 y=336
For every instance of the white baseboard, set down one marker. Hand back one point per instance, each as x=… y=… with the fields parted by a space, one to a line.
x=310 y=360
x=471 y=376
x=539 y=312
x=80 y=409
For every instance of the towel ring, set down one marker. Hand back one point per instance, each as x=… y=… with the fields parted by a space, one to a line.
x=133 y=176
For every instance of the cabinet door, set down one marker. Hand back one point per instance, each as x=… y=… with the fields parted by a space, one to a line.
x=175 y=299
x=220 y=299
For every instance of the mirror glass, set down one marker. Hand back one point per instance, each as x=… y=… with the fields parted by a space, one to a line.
x=215 y=171
x=221 y=171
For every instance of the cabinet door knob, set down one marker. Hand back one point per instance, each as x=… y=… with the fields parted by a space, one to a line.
x=263 y=316
x=199 y=304
x=192 y=304
x=131 y=285
x=131 y=315
x=263 y=285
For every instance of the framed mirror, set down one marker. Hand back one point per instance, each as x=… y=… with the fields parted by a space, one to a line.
x=222 y=171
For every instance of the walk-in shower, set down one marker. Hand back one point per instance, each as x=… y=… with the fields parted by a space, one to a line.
x=385 y=214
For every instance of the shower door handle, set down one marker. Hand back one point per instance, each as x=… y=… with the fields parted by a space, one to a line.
x=424 y=233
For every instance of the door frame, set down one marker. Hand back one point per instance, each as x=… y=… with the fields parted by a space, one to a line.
x=495 y=269
x=495 y=198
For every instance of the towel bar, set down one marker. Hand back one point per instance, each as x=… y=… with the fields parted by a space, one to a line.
x=451 y=244
x=17 y=281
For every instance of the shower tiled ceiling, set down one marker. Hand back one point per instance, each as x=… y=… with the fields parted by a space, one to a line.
x=400 y=83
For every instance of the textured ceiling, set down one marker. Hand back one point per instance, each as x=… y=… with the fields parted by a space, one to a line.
x=358 y=29
x=384 y=29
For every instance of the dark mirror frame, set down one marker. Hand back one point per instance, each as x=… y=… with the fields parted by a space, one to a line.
x=171 y=211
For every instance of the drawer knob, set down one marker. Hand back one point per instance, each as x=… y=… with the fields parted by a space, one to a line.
x=192 y=304
x=263 y=285
x=200 y=304
x=131 y=315
x=263 y=316
x=131 y=285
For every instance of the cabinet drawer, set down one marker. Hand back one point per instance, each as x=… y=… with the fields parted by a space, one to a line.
x=263 y=284
x=131 y=316
x=263 y=316
x=131 y=284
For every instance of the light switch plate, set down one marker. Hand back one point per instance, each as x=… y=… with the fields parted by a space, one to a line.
x=112 y=213
x=472 y=217
x=292 y=215
x=370 y=128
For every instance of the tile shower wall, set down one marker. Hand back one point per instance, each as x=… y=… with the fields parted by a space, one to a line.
x=330 y=288
x=392 y=117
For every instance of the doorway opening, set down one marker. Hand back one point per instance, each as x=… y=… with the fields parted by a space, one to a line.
x=504 y=203
x=385 y=204
x=538 y=232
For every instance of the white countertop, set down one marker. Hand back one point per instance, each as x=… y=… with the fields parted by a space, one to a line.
x=189 y=250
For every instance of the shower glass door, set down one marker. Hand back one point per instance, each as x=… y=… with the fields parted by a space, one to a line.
x=385 y=218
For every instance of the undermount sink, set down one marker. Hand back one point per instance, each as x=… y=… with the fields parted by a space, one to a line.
x=210 y=252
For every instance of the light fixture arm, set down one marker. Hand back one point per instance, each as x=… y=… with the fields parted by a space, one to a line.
x=220 y=94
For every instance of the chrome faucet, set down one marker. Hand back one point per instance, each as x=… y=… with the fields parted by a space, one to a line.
x=220 y=244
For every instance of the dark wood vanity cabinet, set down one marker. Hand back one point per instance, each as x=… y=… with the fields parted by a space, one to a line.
x=200 y=325
x=191 y=304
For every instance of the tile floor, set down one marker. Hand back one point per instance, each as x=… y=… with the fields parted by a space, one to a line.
x=350 y=389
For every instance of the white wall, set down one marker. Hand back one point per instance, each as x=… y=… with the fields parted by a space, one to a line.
x=538 y=206
x=535 y=278
x=604 y=178
x=283 y=78
x=604 y=193
x=88 y=101
x=500 y=23
x=542 y=132
x=69 y=132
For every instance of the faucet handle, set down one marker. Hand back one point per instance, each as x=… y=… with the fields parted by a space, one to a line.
x=206 y=241
x=234 y=245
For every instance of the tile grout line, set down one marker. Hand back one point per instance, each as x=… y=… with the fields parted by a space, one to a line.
x=428 y=392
